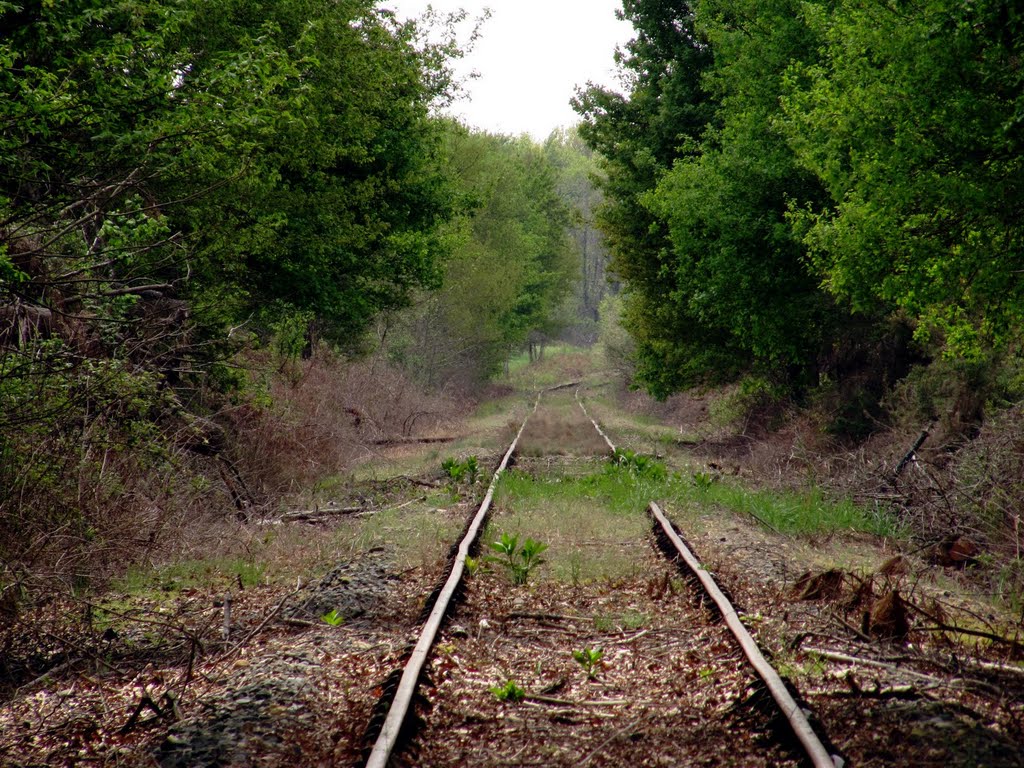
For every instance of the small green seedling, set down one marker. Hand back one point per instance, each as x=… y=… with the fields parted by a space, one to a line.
x=703 y=480
x=589 y=659
x=509 y=692
x=519 y=560
x=641 y=466
x=333 y=618
x=472 y=565
x=472 y=469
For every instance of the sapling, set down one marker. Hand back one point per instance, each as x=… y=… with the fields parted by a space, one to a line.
x=333 y=618
x=703 y=480
x=519 y=560
x=589 y=659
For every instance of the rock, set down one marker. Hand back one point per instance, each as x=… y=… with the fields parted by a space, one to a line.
x=358 y=588
x=244 y=726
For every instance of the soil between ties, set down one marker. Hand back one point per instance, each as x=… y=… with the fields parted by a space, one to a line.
x=670 y=687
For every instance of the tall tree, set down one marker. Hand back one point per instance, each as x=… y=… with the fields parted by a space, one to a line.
x=576 y=168
x=913 y=122
x=173 y=169
x=639 y=135
x=743 y=298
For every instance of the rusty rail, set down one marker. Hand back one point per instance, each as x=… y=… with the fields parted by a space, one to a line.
x=593 y=421
x=802 y=729
x=398 y=710
x=819 y=756
x=388 y=737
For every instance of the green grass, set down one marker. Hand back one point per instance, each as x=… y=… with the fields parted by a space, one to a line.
x=800 y=513
x=189 y=574
x=596 y=524
x=411 y=537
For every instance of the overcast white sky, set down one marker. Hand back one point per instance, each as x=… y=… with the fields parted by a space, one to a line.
x=531 y=56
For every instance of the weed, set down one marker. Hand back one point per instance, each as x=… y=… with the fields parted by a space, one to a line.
x=333 y=618
x=520 y=560
x=472 y=565
x=509 y=692
x=460 y=471
x=703 y=481
x=640 y=465
x=590 y=659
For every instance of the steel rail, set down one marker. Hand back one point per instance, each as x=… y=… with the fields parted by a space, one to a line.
x=594 y=422
x=388 y=737
x=787 y=705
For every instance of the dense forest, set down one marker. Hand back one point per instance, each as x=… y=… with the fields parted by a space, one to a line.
x=209 y=212
x=801 y=191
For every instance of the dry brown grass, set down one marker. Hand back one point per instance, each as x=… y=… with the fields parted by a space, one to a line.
x=327 y=416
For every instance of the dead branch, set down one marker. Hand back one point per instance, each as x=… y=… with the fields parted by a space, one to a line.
x=911 y=455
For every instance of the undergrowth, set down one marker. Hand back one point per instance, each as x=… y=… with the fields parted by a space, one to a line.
x=626 y=487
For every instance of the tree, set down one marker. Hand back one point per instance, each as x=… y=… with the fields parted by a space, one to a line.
x=171 y=170
x=512 y=262
x=742 y=296
x=715 y=283
x=576 y=168
x=913 y=122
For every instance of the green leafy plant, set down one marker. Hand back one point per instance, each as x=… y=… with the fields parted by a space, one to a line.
x=509 y=692
x=645 y=467
x=590 y=659
x=472 y=469
x=333 y=618
x=520 y=560
x=703 y=480
x=460 y=471
x=472 y=565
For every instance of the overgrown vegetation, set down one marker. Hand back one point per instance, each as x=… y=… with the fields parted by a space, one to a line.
x=788 y=181
x=209 y=215
x=588 y=517
x=820 y=203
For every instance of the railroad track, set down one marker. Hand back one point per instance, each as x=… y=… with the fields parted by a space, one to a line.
x=594 y=714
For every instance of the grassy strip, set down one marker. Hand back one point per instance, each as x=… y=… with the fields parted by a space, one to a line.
x=798 y=513
x=624 y=491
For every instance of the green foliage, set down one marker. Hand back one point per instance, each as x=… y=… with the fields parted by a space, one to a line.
x=509 y=692
x=616 y=344
x=642 y=466
x=179 y=180
x=833 y=168
x=333 y=618
x=511 y=268
x=460 y=471
x=703 y=480
x=519 y=560
x=590 y=659
x=912 y=121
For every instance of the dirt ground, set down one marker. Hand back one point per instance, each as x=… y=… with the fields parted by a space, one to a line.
x=153 y=679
